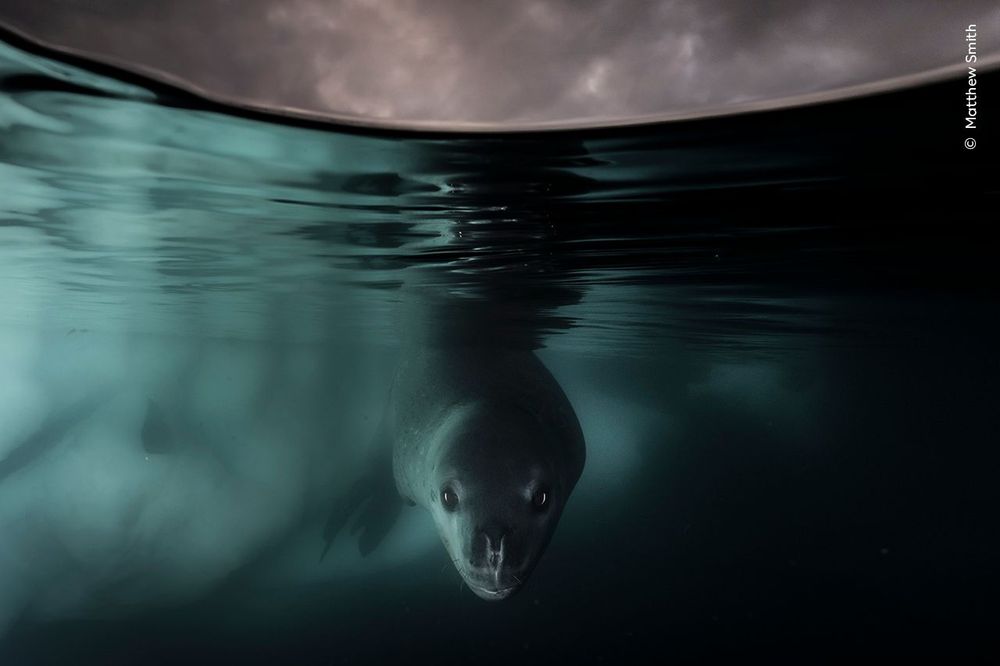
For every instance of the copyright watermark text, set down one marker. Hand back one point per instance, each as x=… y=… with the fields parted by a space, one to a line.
x=971 y=108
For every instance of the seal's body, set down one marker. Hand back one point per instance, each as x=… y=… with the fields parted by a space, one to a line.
x=484 y=438
x=480 y=434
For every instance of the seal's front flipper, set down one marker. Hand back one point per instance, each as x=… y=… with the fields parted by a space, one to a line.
x=376 y=505
x=342 y=511
x=372 y=499
x=380 y=514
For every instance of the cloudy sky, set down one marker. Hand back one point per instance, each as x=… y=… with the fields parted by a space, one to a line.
x=512 y=61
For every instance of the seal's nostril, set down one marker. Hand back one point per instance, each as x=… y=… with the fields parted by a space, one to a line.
x=494 y=544
x=494 y=547
x=494 y=537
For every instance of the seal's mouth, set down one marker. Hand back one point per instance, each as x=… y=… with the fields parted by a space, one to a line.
x=492 y=594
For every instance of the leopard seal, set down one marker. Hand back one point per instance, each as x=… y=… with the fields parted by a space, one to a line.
x=483 y=437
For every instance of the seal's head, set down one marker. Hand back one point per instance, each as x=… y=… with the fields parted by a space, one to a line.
x=500 y=489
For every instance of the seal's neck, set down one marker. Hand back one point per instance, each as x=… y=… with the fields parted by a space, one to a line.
x=462 y=322
x=418 y=480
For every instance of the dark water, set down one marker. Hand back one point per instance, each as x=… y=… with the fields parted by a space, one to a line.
x=778 y=332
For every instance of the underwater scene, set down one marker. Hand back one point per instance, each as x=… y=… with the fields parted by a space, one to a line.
x=275 y=391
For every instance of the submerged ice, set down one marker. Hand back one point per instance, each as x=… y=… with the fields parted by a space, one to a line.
x=94 y=520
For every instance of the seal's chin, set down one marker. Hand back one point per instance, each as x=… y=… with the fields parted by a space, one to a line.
x=490 y=588
x=491 y=594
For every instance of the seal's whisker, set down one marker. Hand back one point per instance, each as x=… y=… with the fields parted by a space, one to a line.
x=461 y=582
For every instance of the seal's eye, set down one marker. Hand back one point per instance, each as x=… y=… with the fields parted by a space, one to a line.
x=540 y=499
x=449 y=498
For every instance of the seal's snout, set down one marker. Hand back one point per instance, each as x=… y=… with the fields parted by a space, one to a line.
x=494 y=546
x=492 y=573
x=490 y=548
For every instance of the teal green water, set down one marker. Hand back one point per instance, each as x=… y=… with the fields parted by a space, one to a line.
x=777 y=331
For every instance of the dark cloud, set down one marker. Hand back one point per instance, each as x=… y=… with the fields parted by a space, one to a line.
x=512 y=61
